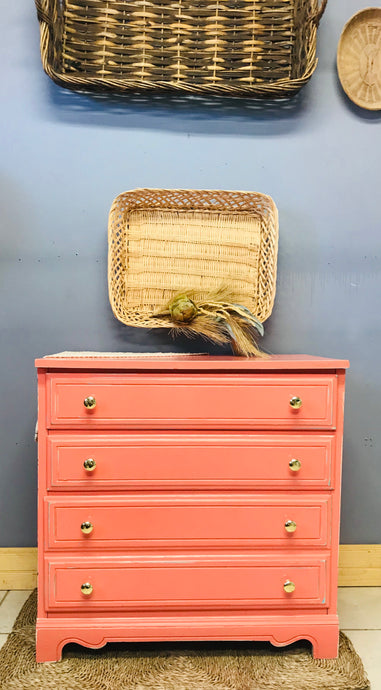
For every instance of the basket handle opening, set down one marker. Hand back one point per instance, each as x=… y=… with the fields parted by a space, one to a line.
x=320 y=12
x=43 y=13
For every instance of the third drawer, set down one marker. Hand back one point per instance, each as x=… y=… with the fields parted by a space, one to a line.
x=186 y=521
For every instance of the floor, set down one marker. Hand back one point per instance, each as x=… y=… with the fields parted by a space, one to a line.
x=359 y=613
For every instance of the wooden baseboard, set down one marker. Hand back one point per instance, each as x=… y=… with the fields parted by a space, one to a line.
x=18 y=568
x=359 y=566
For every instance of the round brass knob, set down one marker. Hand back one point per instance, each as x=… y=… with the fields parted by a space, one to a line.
x=295 y=465
x=89 y=464
x=290 y=526
x=90 y=402
x=87 y=527
x=86 y=588
x=289 y=586
x=296 y=402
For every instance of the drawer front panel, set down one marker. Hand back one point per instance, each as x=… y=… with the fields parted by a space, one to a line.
x=181 y=522
x=152 y=461
x=191 y=401
x=197 y=583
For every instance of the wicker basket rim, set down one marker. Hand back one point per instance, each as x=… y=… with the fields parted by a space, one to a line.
x=169 y=192
x=195 y=189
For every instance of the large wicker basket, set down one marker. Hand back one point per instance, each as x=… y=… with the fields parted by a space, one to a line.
x=230 y=47
x=162 y=241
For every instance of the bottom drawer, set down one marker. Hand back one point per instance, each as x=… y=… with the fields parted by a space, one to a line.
x=191 y=581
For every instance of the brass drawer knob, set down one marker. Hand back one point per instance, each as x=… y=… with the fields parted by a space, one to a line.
x=86 y=588
x=89 y=464
x=296 y=402
x=87 y=527
x=295 y=465
x=289 y=586
x=290 y=526
x=90 y=402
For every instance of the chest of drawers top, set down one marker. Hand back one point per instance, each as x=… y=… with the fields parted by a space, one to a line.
x=130 y=361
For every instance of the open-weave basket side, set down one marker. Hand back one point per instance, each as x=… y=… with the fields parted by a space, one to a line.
x=248 y=244
x=250 y=47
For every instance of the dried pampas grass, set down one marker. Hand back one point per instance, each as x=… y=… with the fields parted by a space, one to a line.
x=217 y=318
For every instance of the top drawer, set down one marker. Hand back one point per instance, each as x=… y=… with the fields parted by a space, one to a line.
x=191 y=401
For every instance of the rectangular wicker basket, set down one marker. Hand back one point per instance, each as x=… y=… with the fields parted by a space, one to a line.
x=260 y=48
x=162 y=241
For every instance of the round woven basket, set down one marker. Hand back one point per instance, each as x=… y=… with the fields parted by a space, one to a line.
x=359 y=58
x=162 y=241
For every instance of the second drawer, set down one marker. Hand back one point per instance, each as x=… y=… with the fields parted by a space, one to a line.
x=189 y=461
x=186 y=521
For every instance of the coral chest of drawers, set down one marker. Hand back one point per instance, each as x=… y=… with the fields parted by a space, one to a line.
x=188 y=498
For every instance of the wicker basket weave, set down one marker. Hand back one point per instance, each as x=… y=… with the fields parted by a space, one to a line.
x=230 y=47
x=359 y=58
x=164 y=241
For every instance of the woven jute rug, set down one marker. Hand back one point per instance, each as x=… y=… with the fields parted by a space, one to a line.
x=185 y=666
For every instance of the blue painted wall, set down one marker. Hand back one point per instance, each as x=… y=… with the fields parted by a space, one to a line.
x=66 y=156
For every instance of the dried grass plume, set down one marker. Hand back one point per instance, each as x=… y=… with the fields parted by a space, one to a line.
x=217 y=318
